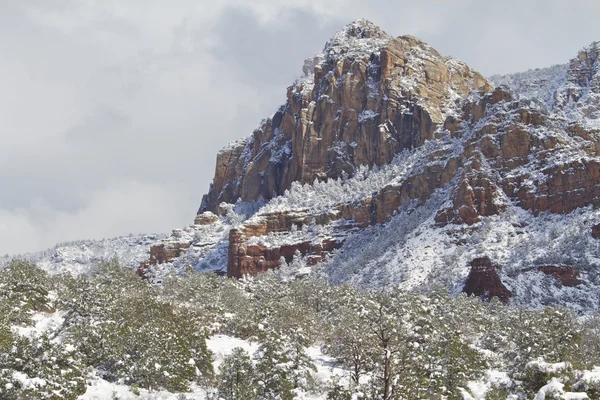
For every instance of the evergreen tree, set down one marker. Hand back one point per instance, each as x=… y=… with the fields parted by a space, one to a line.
x=237 y=379
x=273 y=369
x=300 y=363
x=352 y=344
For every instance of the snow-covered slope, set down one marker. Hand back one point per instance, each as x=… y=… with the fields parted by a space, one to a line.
x=569 y=91
x=537 y=84
x=80 y=256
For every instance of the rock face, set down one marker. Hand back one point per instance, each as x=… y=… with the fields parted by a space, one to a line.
x=483 y=281
x=164 y=252
x=251 y=259
x=367 y=97
x=386 y=136
x=583 y=74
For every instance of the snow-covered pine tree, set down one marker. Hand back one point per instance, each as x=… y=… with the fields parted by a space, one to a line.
x=273 y=369
x=237 y=380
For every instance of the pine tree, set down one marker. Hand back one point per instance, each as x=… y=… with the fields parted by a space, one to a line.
x=352 y=344
x=300 y=363
x=237 y=379
x=273 y=369
x=386 y=329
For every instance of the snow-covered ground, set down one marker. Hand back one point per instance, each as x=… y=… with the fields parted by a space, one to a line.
x=99 y=389
x=42 y=323
x=80 y=256
x=221 y=346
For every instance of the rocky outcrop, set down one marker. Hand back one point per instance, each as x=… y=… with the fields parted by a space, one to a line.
x=244 y=258
x=596 y=231
x=476 y=196
x=526 y=153
x=583 y=73
x=160 y=254
x=484 y=281
x=367 y=97
x=164 y=252
x=251 y=259
x=567 y=276
x=205 y=218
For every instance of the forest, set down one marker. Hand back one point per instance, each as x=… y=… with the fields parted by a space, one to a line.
x=387 y=344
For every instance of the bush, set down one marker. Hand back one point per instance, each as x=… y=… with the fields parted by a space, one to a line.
x=40 y=369
x=122 y=327
x=24 y=290
x=395 y=345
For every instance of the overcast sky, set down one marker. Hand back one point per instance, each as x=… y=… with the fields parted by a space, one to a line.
x=112 y=111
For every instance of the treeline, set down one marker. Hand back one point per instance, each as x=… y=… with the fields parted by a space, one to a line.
x=393 y=345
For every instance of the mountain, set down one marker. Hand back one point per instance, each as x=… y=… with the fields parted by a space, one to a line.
x=392 y=165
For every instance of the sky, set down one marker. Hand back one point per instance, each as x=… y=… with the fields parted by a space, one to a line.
x=112 y=112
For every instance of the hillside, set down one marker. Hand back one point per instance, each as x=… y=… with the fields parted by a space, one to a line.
x=83 y=256
x=392 y=165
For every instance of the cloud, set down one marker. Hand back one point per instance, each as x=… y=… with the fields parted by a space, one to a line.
x=111 y=112
x=257 y=49
x=123 y=207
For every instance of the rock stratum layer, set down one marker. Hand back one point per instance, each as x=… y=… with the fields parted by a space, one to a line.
x=392 y=164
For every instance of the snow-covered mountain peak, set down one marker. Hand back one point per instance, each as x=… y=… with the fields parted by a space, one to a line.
x=361 y=28
x=358 y=39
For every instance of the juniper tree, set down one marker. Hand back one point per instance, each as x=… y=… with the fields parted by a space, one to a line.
x=382 y=321
x=24 y=289
x=300 y=363
x=36 y=368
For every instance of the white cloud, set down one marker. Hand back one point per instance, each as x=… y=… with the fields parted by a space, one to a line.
x=120 y=207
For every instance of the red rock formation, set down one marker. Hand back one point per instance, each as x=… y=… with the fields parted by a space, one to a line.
x=369 y=97
x=583 y=72
x=565 y=188
x=161 y=253
x=251 y=259
x=568 y=276
x=355 y=110
x=596 y=231
x=483 y=281
x=205 y=218
x=476 y=196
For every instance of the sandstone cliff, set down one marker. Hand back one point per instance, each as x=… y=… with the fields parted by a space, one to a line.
x=365 y=98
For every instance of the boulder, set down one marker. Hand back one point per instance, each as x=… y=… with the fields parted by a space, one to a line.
x=483 y=281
